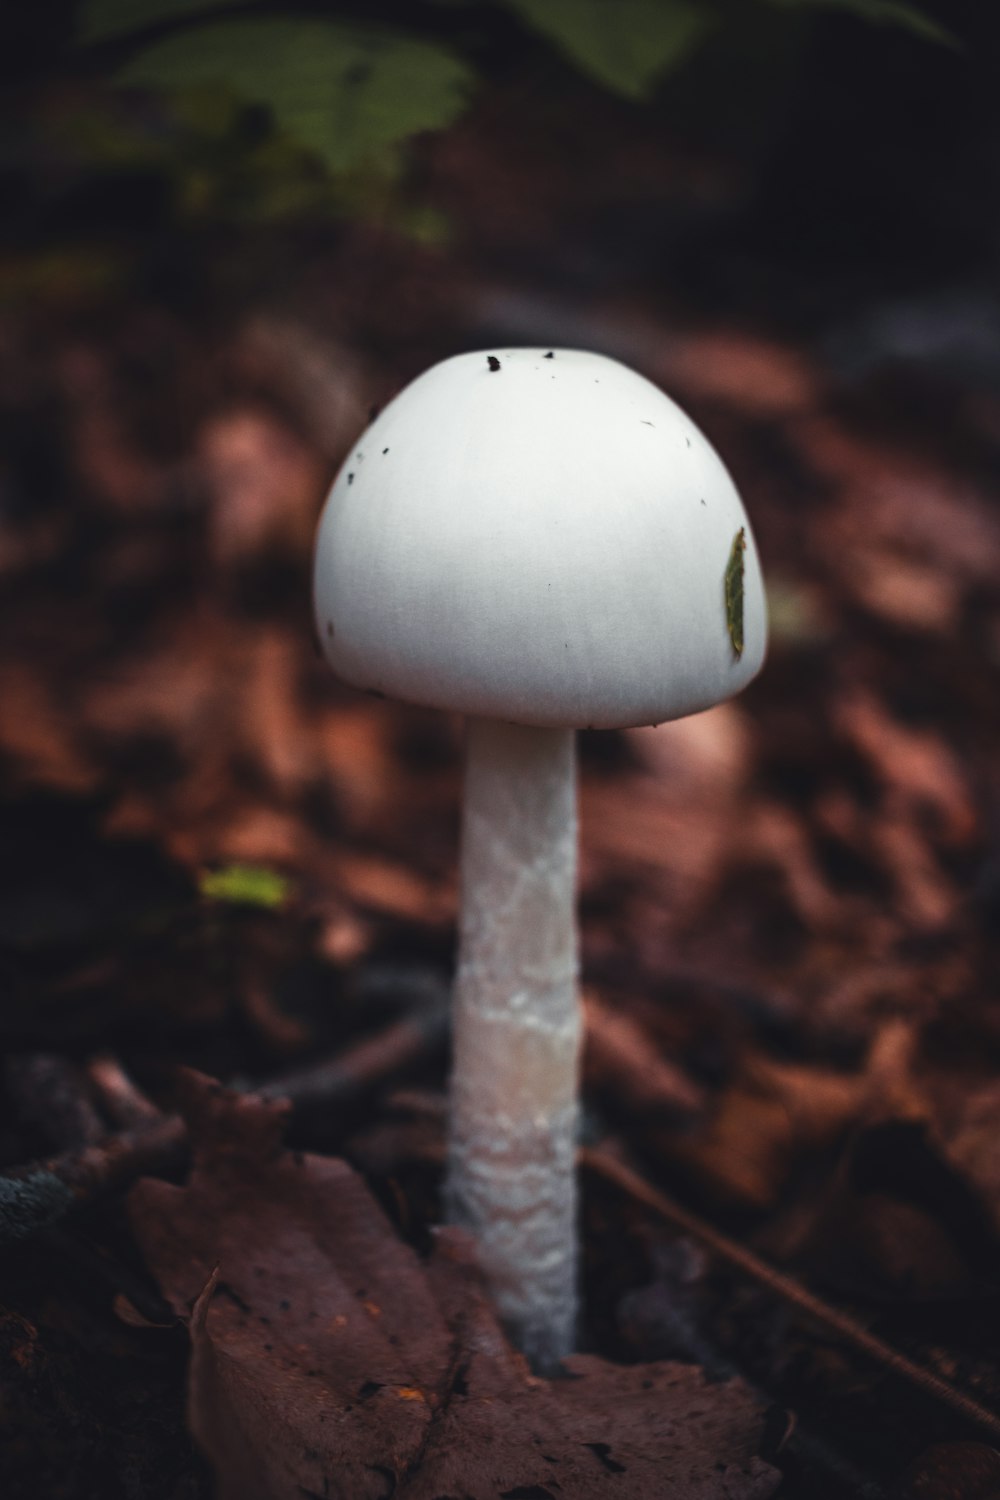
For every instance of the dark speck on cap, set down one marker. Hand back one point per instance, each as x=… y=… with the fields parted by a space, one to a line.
x=493 y=362
x=550 y=355
x=350 y=478
x=384 y=452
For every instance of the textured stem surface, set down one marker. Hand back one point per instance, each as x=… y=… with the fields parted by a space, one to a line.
x=517 y=1030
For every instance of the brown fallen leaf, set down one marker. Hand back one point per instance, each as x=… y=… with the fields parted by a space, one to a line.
x=969 y=1143
x=327 y=1360
x=776 y=1115
x=910 y=594
x=265 y=484
x=759 y=376
x=36 y=733
x=673 y=821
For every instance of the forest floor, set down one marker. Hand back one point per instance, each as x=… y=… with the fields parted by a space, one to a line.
x=788 y=912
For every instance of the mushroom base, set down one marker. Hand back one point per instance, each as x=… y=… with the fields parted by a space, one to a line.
x=511 y=1173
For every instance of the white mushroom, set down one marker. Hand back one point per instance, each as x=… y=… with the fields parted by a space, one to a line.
x=543 y=541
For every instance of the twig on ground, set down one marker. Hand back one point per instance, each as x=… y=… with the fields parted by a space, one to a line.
x=366 y=1064
x=38 y=1195
x=604 y=1165
x=124 y=1103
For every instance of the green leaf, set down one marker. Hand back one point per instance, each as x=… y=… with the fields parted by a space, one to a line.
x=100 y=20
x=624 y=44
x=734 y=591
x=246 y=885
x=882 y=13
x=351 y=94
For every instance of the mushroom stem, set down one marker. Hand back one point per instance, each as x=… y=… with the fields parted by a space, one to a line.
x=511 y=1173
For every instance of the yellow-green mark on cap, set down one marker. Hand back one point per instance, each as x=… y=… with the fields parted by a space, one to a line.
x=734 y=591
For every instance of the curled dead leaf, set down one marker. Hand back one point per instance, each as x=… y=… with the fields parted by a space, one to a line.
x=278 y=1260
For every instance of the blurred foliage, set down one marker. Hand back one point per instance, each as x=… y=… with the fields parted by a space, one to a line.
x=167 y=114
x=882 y=13
x=101 y=19
x=627 y=46
x=350 y=94
x=353 y=94
x=246 y=885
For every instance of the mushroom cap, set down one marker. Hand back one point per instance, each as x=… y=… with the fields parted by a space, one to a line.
x=547 y=542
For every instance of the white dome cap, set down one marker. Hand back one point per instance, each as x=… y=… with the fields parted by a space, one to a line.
x=546 y=542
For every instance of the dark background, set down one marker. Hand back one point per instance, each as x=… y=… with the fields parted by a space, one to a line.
x=791 y=900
